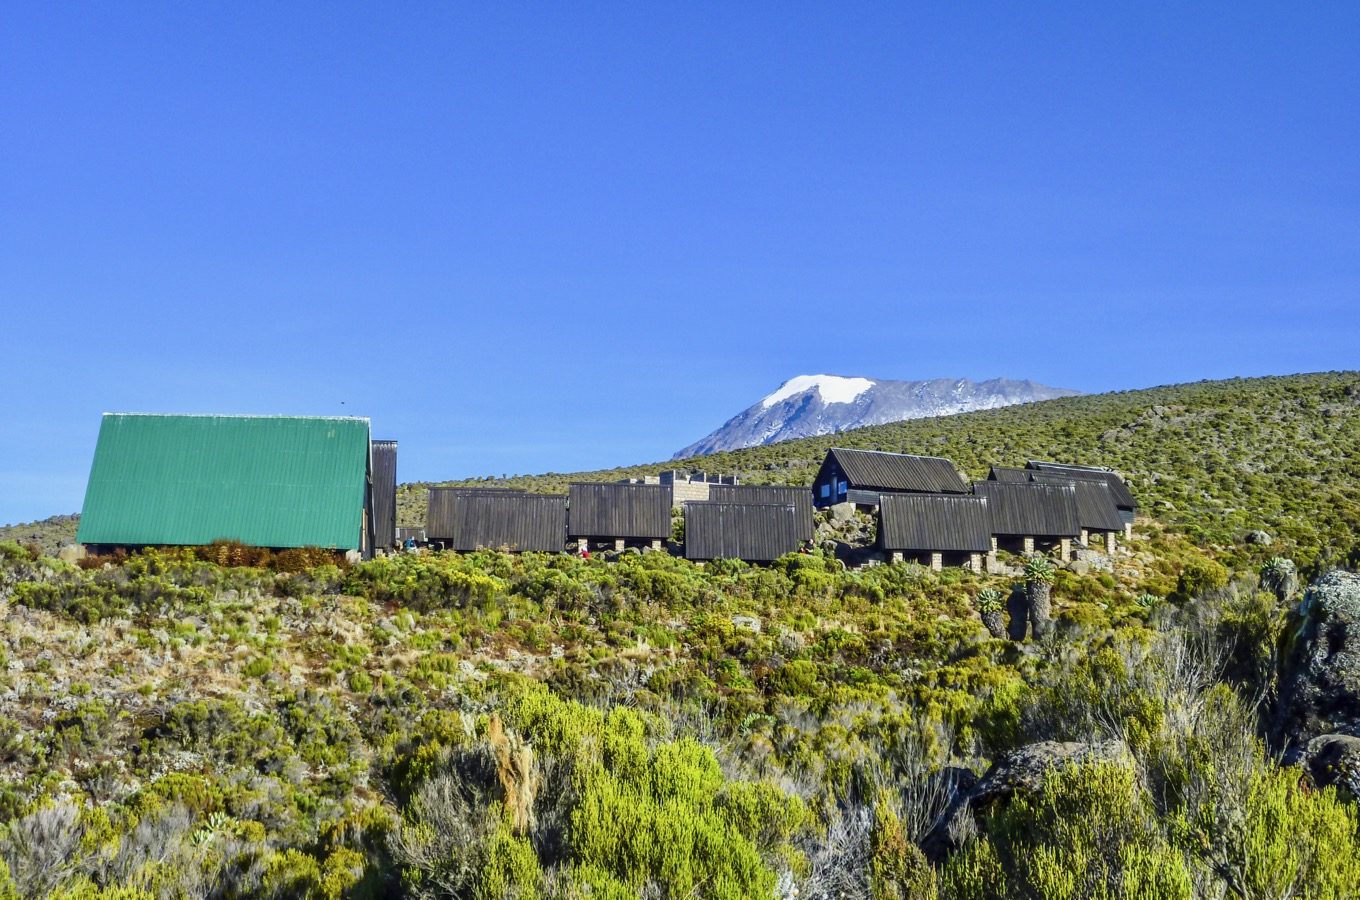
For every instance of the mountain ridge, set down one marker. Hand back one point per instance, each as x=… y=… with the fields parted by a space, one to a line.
x=815 y=405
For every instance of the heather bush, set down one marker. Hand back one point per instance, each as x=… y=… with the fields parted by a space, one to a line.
x=621 y=807
x=1089 y=832
x=1200 y=576
x=42 y=848
x=424 y=582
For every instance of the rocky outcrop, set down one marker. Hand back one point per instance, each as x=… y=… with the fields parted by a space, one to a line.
x=1281 y=577
x=850 y=535
x=1331 y=760
x=1320 y=679
x=1022 y=770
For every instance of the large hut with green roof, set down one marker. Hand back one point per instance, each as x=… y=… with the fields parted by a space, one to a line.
x=265 y=481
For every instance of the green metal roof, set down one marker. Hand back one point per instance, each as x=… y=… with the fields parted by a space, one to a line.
x=267 y=481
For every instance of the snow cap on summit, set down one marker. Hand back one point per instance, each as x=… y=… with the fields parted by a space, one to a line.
x=831 y=388
x=842 y=403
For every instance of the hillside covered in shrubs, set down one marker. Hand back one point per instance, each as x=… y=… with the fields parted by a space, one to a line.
x=214 y=722
x=1213 y=459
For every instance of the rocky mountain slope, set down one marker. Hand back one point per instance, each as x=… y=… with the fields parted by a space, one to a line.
x=810 y=405
x=49 y=533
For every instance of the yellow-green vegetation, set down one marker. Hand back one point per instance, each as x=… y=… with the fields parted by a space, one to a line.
x=489 y=725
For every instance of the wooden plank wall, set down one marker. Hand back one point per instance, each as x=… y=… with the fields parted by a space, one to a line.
x=472 y=519
x=755 y=532
x=605 y=511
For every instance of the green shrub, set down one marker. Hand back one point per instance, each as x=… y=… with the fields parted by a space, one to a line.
x=342 y=869
x=661 y=813
x=221 y=730
x=1296 y=842
x=511 y=869
x=624 y=829
x=291 y=873
x=302 y=559
x=424 y=581
x=258 y=667
x=1200 y=576
x=898 y=869
x=84 y=889
x=1089 y=832
x=593 y=883
x=797 y=677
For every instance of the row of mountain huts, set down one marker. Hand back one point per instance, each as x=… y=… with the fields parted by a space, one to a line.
x=287 y=481
x=756 y=523
x=925 y=509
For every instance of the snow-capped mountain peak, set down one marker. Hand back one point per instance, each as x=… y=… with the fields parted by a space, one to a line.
x=831 y=388
x=809 y=405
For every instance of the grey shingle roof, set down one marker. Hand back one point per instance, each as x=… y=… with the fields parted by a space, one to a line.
x=798 y=497
x=1096 y=508
x=899 y=471
x=935 y=522
x=1009 y=473
x=1031 y=508
x=1123 y=497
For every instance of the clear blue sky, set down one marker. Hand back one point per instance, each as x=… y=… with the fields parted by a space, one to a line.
x=564 y=236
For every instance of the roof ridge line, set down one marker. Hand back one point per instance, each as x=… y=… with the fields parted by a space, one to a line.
x=893 y=453
x=240 y=416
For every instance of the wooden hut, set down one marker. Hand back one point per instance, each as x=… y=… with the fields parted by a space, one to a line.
x=798 y=497
x=621 y=514
x=478 y=518
x=384 y=494
x=861 y=476
x=936 y=529
x=1119 y=489
x=1098 y=510
x=1028 y=516
x=755 y=532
